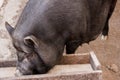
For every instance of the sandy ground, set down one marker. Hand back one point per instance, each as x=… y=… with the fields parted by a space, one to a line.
x=107 y=51
x=9 y=11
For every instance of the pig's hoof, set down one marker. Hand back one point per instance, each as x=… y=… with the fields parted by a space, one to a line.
x=18 y=73
x=104 y=37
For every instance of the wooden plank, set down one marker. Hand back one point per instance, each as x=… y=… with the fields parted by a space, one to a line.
x=94 y=61
x=58 y=69
x=7 y=72
x=66 y=59
x=8 y=63
x=72 y=60
x=94 y=75
x=75 y=59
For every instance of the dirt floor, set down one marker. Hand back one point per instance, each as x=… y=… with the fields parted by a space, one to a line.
x=107 y=51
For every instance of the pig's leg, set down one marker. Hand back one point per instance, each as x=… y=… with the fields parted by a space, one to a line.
x=106 y=28
x=71 y=46
x=105 y=32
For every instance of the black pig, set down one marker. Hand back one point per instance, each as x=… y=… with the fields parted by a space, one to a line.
x=45 y=27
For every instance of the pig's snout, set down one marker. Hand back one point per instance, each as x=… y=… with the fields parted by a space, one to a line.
x=18 y=73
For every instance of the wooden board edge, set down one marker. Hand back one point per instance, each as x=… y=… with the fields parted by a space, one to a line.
x=94 y=75
x=94 y=61
x=75 y=59
x=66 y=59
x=8 y=63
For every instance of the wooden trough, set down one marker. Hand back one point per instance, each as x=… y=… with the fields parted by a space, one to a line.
x=71 y=67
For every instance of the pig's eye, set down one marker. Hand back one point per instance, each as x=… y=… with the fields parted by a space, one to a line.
x=17 y=48
x=20 y=50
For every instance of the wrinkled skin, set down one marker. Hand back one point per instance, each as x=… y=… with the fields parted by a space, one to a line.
x=45 y=27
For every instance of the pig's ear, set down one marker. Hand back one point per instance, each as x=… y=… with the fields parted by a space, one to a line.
x=9 y=28
x=31 y=41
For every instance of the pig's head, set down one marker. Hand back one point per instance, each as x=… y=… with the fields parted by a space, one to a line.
x=34 y=56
